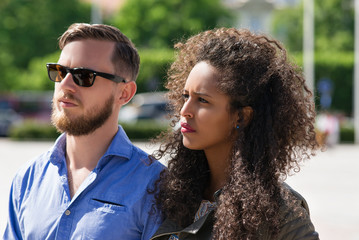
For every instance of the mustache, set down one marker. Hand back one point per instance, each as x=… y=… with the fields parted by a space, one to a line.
x=68 y=96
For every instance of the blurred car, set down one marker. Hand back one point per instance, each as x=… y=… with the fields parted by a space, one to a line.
x=8 y=118
x=145 y=106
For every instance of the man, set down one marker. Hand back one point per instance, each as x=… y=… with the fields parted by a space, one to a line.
x=93 y=183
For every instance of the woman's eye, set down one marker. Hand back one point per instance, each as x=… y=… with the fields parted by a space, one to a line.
x=202 y=100
x=185 y=96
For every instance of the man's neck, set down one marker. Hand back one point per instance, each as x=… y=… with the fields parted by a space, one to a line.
x=85 y=151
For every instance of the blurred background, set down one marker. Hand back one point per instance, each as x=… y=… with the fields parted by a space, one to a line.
x=320 y=36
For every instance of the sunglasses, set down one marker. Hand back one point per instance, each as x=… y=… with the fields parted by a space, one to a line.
x=82 y=76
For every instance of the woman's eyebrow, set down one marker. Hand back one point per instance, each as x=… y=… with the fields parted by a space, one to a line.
x=198 y=93
x=202 y=94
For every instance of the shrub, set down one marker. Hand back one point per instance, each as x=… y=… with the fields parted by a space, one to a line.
x=143 y=129
x=153 y=69
x=30 y=130
x=33 y=130
x=338 y=67
x=347 y=135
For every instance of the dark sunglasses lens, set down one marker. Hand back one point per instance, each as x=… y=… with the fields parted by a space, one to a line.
x=56 y=73
x=83 y=77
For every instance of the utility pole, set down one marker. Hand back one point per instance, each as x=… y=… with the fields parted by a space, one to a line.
x=308 y=42
x=356 y=74
x=96 y=15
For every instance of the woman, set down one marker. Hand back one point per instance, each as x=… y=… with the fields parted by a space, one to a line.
x=247 y=120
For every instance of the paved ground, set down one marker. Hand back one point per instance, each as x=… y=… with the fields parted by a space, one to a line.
x=329 y=182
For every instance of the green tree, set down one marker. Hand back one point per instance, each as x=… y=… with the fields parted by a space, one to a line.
x=149 y=23
x=30 y=29
x=334 y=45
x=161 y=23
x=36 y=74
x=288 y=27
x=334 y=26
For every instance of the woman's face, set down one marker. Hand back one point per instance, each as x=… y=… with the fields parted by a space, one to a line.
x=206 y=123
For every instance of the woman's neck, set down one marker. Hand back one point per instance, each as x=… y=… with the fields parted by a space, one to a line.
x=218 y=162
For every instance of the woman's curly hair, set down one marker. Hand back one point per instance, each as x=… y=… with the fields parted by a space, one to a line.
x=254 y=71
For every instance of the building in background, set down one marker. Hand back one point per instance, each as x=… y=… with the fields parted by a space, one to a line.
x=256 y=15
x=107 y=7
x=253 y=14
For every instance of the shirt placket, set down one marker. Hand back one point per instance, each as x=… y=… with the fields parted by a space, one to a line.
x=65 y=230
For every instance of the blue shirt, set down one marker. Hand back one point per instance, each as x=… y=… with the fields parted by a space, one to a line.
x=111 y=203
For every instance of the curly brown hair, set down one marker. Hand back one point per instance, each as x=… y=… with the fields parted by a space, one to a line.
x=254 y=71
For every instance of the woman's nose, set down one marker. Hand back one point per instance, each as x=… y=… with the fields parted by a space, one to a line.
x=186 y=110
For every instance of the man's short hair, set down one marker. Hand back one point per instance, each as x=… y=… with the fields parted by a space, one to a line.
x=125 y=56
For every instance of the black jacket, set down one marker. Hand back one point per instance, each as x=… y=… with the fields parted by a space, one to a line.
x=297 y=225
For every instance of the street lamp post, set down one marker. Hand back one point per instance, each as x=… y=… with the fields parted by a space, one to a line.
x=308 y=42
x=356 y=74
x=96 y=16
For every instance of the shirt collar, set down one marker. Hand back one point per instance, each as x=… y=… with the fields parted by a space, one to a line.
x=57 y=152
x=217 y=194
x=120 y=146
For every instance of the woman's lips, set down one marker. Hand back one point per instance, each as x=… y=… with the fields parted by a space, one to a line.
x=186 y=128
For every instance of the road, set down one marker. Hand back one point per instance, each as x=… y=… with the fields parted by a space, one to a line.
x=329 y=183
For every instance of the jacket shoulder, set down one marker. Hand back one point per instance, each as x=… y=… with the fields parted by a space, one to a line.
x=297 y=196
x=296 y=222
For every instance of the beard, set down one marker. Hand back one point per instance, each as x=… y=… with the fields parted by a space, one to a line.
x=84 y=124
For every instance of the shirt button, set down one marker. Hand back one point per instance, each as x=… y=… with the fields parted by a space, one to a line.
x=67 y=212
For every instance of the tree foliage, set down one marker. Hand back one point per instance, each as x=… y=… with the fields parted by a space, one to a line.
x=334 y=26
x=334 y=45
x=161 y=23
x=288 y=27
x=30 y=29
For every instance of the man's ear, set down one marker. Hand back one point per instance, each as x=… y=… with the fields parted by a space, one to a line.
x=126 y=92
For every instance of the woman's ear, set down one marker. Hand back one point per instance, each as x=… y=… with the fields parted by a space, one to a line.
x=247 y=113
x=126 y=92
x=245 y=116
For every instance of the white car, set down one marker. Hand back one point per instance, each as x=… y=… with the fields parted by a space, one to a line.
x=149 y=106
x=8 y=118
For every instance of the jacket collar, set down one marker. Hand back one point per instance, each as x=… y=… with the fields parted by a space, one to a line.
x=169 y=227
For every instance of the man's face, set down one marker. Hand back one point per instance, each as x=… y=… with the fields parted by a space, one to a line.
x=81 y=110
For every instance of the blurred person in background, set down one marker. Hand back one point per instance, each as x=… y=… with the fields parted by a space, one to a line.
x=328 y=126
x=93 y=183
x=247 y=120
